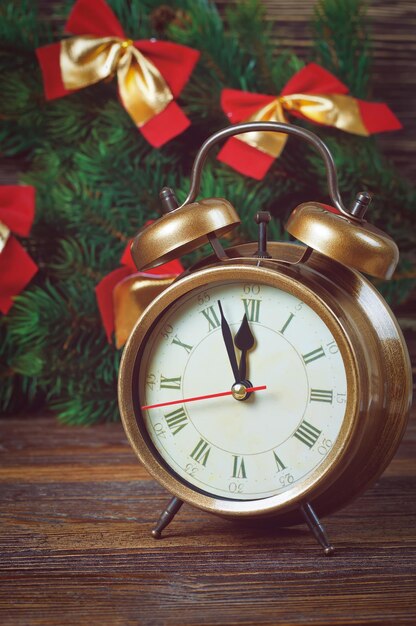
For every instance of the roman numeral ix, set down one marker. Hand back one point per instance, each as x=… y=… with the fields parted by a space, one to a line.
x=170 y=383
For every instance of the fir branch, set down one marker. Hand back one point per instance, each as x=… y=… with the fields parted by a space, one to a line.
x=342 y=42
x=247 y=24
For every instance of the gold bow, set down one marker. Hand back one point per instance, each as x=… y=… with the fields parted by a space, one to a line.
x=86 y=60
x=335 y=110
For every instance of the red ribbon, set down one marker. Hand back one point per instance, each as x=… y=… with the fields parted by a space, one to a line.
x=104 y=289
x=313 y=80
x=175 y=62
x=17 y=211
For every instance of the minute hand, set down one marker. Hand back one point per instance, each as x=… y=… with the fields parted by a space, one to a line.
x=229 y=344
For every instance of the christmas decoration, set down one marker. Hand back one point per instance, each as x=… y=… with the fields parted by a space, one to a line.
x=17 y=210
x=123 y=295
x=313 y=94
x=98 y=180
x=150 y=73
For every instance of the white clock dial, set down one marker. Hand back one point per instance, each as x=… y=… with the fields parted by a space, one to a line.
x=274 y=439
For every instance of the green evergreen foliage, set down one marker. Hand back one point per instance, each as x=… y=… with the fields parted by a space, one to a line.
x=98 y=180
x=342 y=42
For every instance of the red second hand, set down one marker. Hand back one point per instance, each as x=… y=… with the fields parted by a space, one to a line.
x=211 y=395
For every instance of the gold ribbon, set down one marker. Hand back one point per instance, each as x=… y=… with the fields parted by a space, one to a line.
x=86 y=60
x=4 y=235
x=335 y=110
x=130 y=298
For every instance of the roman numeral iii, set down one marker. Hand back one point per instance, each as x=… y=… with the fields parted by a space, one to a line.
x=307 y=434
x=252 y=309
x=321 y=395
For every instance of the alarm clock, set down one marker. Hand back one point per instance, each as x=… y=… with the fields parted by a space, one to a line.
x=270 y=379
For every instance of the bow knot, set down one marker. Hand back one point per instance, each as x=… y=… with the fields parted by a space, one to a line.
x=86 y=60
x=313 y=94
x=150 y=73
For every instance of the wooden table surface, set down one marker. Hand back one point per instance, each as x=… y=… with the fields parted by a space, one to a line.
x=76 y=513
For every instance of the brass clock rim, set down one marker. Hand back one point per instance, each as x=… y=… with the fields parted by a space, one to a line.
x=323 y=475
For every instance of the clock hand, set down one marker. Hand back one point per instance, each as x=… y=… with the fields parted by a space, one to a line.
x=229 y=344
x=244 y=341
x=207 y=397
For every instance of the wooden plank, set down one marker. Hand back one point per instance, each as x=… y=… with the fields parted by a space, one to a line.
x=75 y=547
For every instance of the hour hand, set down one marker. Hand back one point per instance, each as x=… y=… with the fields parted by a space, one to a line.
x=229 y=344
x=244 y=341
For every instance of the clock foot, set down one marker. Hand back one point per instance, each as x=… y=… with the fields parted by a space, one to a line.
x=166 y=517
x=316 y=527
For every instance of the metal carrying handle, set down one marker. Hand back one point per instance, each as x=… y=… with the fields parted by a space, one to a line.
x=359 y=206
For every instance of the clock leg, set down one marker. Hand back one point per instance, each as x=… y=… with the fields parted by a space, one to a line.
x=166 y=517
x=316 y=527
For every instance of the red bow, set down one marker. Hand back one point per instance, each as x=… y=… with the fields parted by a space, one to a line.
x=17 y=211
x=327 y=104
x=106 y=289
x=172 y=63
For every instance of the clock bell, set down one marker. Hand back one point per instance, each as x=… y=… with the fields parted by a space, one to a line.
x=338 y=233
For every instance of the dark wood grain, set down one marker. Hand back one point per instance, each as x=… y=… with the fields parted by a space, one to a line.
x=75 y=547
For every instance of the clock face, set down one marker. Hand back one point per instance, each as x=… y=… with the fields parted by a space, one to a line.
x=271 y=441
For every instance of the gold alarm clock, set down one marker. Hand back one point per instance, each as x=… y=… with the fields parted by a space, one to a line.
x=271 y=379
